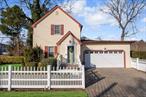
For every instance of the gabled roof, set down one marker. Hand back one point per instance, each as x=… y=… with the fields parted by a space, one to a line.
x=52 y=10
x=65 y=36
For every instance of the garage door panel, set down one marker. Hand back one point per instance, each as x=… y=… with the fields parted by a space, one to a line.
x=104 y=60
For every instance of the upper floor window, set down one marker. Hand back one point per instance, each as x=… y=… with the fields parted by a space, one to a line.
x=57 y=29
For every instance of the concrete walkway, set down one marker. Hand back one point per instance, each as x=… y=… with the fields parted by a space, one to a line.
x=115 y=83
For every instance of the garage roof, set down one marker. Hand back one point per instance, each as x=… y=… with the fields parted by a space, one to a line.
x=105 y=42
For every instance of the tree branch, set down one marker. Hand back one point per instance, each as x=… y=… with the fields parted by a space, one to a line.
x=125 y=12
x=27 y=3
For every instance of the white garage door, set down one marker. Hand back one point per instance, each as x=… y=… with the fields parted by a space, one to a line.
x=104 y=59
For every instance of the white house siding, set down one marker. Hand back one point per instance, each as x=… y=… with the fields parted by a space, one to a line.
x=63 y=48
x=42 y=32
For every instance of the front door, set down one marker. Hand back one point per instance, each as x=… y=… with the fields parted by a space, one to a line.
x=70 y=52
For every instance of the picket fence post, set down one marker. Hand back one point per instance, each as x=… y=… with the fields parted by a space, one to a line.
x=9 y=77
x=48 y=77
x=137 y=63
x=83 y=77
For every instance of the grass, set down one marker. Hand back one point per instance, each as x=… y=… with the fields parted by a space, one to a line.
x=6 y=65
x=44 y=94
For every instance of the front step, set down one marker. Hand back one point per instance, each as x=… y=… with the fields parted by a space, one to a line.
x=69 y=65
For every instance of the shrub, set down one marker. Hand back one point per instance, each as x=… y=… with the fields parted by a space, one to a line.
x=27 y=55
x=52 y=61
x=43 y=62
x=37 y=54
x=31 y=64
x=138 y=54
x=11 y=59
x=47 y=61
x=33 y=55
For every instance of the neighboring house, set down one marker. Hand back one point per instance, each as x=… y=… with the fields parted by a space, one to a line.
x=138 y=46
x=58 y=34
x=3 y=49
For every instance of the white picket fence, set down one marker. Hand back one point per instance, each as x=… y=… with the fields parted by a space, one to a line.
x=139 y=64
x=46 y=77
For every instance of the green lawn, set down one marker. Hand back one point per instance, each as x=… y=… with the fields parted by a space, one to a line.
x=44 y=94
x=5 y=65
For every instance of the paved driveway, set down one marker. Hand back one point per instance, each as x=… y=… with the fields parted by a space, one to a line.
x=115 y=83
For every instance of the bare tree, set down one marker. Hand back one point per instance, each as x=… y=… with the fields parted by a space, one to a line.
x=125 y=13
x=68 y=5
x=2 y=4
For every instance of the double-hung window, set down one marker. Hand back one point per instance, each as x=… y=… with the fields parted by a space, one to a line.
x=57 y=29
x=51 y=51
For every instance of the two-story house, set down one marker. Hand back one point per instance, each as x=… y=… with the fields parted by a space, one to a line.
x=59 y=34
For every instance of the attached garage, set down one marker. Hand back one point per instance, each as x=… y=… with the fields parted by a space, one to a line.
x=106 y=54
x=104 y=59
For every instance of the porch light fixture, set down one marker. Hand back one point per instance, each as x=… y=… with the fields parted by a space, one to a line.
x=105 y=49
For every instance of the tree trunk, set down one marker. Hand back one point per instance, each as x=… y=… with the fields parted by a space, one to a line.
x=123 y=35
x=17 y=45
x=29 y=38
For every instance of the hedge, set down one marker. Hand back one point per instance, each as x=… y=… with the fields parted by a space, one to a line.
x=21 y=60
x=138 y=54
x=11 y=59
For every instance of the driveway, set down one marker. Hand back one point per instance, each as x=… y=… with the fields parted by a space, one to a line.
x=113 y=82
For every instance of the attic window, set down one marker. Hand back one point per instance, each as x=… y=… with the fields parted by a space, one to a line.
x=56 y=13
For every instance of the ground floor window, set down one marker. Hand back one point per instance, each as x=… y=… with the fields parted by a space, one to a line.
x=51 y=51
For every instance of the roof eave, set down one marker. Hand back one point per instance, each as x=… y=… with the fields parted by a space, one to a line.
x=105 y=42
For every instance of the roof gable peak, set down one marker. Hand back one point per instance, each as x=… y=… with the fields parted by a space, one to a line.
x=52 y=10
x=65 y=36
